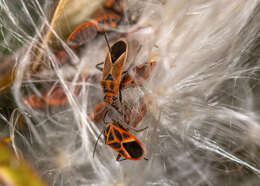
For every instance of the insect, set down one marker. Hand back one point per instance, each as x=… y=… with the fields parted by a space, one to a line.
x=112 y=71
x=123 y=142
x=88 y=31
x=137 y=78
x=105 y=18
x=54 y=96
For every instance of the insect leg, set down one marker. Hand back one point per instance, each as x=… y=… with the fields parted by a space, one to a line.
x=98 y=66
x=105 y=116
x=120 y=93
x=139 y=130
x=95 y=147
x=124 y=124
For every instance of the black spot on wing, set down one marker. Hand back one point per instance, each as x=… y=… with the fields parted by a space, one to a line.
x=134 y=149
x=117 y=50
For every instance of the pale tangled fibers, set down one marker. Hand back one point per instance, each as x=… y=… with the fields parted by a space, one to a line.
x=204 y=125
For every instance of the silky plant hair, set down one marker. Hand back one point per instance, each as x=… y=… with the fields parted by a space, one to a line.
x=203 y=115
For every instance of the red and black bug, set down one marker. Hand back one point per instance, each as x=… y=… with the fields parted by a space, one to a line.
x=88 y=30
x=105 y=19
x=112 y=71
x=123 y=142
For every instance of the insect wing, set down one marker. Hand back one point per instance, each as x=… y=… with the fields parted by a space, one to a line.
x=118 y=49
x=118 y=56
x=107 y=66
x=118 y=67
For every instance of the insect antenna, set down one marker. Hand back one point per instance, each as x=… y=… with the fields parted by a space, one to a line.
x=95 y=147
x=105 y=117
x=107 y=42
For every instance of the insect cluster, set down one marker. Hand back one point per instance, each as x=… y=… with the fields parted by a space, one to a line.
x=116 y=77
